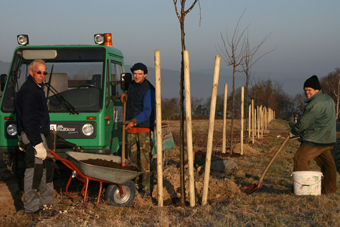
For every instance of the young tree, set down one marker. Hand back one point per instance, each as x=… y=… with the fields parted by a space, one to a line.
x=234 y=56
x=249 y=60
x=244 y=56
x=331 y=86
x=181 y=17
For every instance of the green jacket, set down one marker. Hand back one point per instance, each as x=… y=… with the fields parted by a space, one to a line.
x=318 y=122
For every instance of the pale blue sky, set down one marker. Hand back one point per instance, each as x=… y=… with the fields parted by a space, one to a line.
x=306 y=32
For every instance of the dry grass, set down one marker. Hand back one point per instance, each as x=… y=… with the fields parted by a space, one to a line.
x=272 y=205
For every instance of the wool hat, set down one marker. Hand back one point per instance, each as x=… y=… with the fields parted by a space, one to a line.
x=312 y=82
x=140 y=66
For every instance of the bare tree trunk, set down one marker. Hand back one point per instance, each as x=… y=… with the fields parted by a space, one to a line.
x=182 y=126
x=181 y=18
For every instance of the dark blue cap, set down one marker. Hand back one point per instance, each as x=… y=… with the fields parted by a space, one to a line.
x=140 y=66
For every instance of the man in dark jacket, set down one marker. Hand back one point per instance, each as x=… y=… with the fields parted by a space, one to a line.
x=140 y=123
x=317 y=129
x=33 y=126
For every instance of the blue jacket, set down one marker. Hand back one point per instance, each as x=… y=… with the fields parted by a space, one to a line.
x=32 y=111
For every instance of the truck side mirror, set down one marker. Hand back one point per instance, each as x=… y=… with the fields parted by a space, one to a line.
x=125 y=79
x=3 y=78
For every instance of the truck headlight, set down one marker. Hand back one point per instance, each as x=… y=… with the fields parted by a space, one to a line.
x=87 y=129
x=12 y=129
x=22 y=39
x=99 y=39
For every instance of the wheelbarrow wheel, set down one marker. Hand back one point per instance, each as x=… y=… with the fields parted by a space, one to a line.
x=112 y=194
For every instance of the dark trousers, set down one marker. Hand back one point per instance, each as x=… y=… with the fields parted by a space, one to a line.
x=38 y=181
x=323 y=157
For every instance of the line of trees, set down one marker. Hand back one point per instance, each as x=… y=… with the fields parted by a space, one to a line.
x=264 y=92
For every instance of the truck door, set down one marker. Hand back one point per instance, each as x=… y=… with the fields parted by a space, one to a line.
x=114 y=92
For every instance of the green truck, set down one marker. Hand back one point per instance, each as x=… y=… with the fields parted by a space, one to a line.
x=82 y=89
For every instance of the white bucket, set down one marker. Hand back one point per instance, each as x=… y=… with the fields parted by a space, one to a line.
x=307 y=182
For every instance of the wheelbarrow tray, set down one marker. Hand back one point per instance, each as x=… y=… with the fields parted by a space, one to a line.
x=113 y=175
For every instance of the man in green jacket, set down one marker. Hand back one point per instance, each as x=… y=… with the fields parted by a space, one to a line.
x=317 y=130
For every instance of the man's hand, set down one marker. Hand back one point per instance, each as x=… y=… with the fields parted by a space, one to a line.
x=290 y=134
x=123 y=97
x=129 y=124
x=41 y=151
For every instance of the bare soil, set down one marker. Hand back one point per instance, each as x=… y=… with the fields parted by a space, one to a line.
x=225 y=188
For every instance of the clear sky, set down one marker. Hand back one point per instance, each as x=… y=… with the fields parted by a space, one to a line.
x=306 y=32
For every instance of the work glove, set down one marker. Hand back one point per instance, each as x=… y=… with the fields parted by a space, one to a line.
x=21 y=146
x=123 y=97
x=129 y=124
x=290 y=134
x=41 y=152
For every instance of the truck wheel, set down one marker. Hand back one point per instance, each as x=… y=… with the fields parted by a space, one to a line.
x=112 y=194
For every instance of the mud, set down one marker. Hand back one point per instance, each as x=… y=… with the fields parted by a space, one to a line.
x=110 y=164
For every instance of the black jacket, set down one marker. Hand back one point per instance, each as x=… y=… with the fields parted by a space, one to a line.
x=32 y=111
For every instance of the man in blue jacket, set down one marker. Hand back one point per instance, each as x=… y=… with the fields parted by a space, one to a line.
x=140 y=124
x=33 y=126
x=317 y=129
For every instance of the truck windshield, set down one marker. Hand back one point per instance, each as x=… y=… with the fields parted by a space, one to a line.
x=77 y=77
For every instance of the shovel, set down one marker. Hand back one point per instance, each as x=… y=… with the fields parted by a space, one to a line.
x=123 y=135
x=252 y=188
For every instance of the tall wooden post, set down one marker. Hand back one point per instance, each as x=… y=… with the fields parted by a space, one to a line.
x=258 y=121
x=224 y=140
x=189 y=128
x=253 y=121
x=265 y=118
x=159 y=128
x=249 y=121
x=211 y=130
x=242 y=118
x=261 y=122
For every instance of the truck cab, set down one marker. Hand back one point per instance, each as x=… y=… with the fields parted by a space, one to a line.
x=82 y=87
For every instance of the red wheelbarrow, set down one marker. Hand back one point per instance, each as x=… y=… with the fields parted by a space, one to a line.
x=121 y=190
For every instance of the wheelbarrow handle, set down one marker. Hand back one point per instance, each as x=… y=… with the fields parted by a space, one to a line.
x=50 y=156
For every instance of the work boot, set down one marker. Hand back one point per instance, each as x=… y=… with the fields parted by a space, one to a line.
x=45 y=211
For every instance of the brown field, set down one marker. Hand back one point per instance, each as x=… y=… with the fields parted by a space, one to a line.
x=272 y=205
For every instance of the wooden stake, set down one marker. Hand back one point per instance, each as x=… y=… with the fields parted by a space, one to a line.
x=249 y=121
x=211 y=130
x=159 y=128
x=253 y=121
x=242 y=117
x=262 y=121
x=189 y=128
x=258 y=121
x=224 y=140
